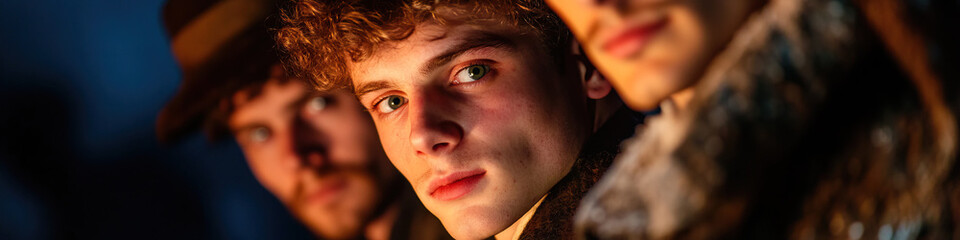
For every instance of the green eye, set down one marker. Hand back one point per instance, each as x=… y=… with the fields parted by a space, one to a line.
x=477 y=71
x=259 y=134
x=318 y=103
x=392 y=102
x=472 y=73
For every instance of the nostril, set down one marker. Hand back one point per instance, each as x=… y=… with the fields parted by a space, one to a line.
x=438 y=146
x=597 y=2
x=315 y=159
x=312 y=155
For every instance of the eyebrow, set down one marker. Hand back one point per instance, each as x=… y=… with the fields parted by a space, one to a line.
x=294 y=106
x=483 y=40
x=245 y=128
x=368 y=87
x=477 y=41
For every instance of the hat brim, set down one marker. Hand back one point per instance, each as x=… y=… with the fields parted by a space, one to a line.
x=244 y=61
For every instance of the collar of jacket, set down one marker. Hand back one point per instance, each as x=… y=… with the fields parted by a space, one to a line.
x=554 y=218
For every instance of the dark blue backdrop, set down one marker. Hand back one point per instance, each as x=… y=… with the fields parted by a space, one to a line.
x=82 y=82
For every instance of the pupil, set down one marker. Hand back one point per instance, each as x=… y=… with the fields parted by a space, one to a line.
x=476 y=72
x=394 y=102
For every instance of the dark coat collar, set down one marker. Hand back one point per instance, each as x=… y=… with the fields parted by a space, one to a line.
x=554 y=218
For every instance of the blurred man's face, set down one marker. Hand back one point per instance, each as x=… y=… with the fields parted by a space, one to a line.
x=477 y=118
x=318 y=153
x=650 y=49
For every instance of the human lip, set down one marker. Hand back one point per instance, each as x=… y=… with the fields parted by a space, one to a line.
x=327 y=191
x=455 y=185
x=629 y=40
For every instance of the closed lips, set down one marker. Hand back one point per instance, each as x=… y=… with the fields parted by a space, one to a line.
x=326 y=192
x=455 y=185
x=631 y=40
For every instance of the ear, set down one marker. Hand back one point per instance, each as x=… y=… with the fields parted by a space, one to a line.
x=596 y=86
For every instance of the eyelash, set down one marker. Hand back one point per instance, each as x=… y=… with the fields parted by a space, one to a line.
x=373 y=108
x=452 y=79
x=463 y=66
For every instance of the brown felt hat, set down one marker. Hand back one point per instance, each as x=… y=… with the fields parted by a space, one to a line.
x=221 y=46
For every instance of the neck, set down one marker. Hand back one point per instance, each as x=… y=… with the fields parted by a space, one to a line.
x=682 y=98
x=380 y=227
x=604 y=109
x=513 y=232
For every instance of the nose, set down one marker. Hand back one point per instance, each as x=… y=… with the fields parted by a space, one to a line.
x=610 y=9
x=433 y=129
x=594 y=2
x=309 y=144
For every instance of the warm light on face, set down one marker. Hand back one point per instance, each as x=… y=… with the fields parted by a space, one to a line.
x=651 y=49
x=473 y=120
x=315 y=152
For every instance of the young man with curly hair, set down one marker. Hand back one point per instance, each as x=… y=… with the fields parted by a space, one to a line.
x=481 y=105
x=316 y=152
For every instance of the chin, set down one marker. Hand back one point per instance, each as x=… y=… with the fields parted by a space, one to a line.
x=640 y=104
x=325 y=230
x=470 y=229
x=338 y=234
x=638 y=97
x=335 y=224
x=647 y=91
x=477 y=222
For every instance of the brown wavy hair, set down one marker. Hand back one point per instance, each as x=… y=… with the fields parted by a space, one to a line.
x=320 y=37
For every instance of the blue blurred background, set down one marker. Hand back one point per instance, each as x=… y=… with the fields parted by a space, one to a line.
x=81 y=85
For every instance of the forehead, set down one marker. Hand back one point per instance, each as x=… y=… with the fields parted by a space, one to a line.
x=273 y=98
x=392 y=59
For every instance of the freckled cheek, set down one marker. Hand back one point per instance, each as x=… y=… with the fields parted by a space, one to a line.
x=504 y=108
x=494 y=113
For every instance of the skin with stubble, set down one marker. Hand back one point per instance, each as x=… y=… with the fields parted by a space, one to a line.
x=652 y=50
x=318 y=154
x=478 y=118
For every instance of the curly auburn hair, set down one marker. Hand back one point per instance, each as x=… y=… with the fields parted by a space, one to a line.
x=320 y=37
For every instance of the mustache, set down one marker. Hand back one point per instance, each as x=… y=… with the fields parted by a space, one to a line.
x=380 y=171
